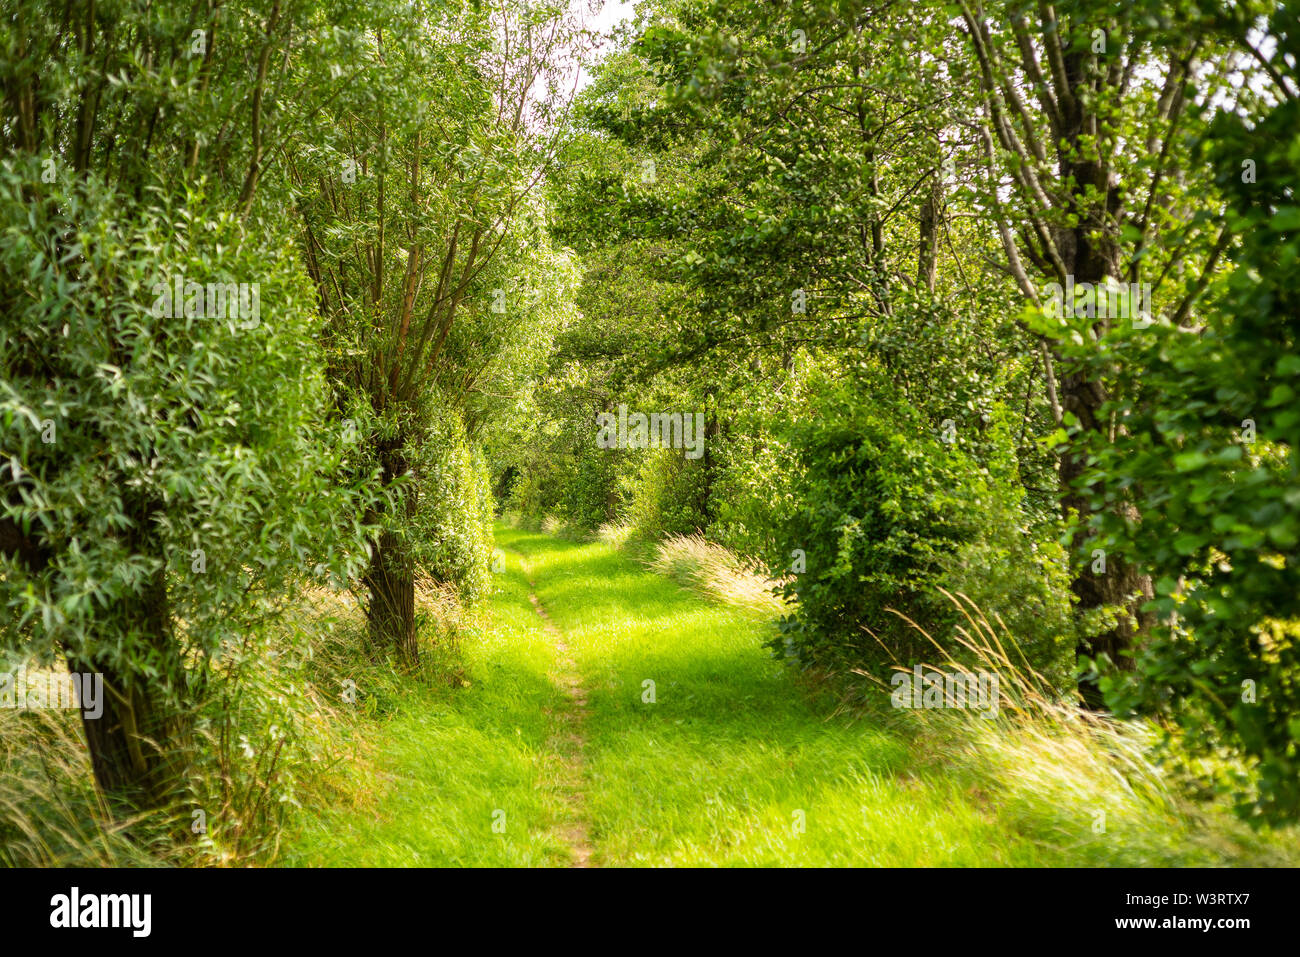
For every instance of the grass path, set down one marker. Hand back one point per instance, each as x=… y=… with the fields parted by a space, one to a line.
x=700 y=750
x=610 y=717
x=614 y=718
x=567 y=742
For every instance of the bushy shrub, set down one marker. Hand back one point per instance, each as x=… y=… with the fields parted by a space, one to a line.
x=591 y=495
x=758 y=475
x=891 y=508
x=455 y=514
x=665 y=494
x=1021 y=581
x=167 y=474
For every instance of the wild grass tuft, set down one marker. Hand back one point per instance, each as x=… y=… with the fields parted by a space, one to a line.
x=1071 y=779
x=718 y=572
x=278 y=734
x=51 y=813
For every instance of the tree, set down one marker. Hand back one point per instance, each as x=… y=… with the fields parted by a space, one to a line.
x=408 y=203
x=1085 y=207
x=1209 y=449
x=158 y=387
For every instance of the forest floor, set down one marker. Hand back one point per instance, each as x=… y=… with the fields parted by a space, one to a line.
x=611 y=717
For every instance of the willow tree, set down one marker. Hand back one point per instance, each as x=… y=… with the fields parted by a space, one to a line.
x=409 y=204
x=160 y=473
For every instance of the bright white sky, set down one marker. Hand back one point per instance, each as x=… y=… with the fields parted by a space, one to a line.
x=612 y=13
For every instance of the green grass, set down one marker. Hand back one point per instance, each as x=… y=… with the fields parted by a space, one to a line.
x=732 y=764
x=721 y=768
x=448 y=759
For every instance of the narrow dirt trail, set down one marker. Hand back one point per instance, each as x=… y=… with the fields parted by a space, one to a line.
x=566 y=741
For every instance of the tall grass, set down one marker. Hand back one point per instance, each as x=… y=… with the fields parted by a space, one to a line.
x=275 y=734
x=51 y=813
x=717 y=572
x=1069 y=777
x=696 y=562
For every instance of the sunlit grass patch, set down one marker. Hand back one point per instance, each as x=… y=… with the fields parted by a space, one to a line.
x=718 y=572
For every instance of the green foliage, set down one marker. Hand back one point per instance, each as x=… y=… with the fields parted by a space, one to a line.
x=139 y=445
x=887 y=512
x=1023 y=582
x=589 y=494
x=665 y=494
x=1207 y=458
x=452 y=529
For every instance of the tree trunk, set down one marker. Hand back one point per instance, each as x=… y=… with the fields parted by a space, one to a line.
x=927 y=257
x=390 y=613
x=1091 y=254
x=139 y=745
x=1111 y=581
